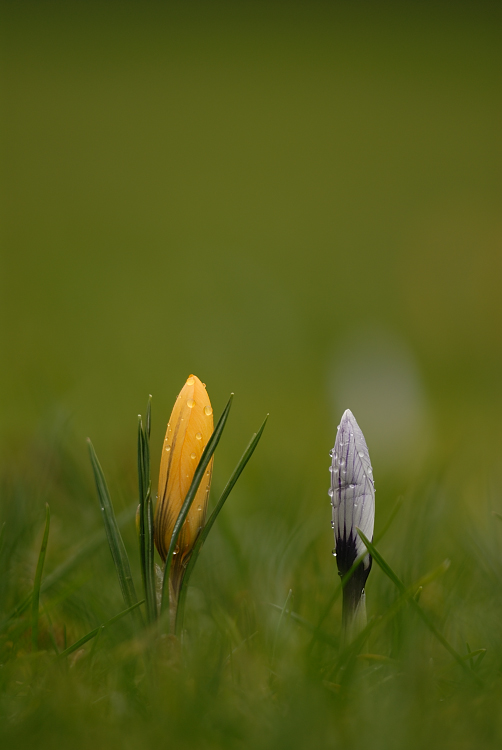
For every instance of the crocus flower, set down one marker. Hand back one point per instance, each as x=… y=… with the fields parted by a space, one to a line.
x=352 y=495
x=188 y=431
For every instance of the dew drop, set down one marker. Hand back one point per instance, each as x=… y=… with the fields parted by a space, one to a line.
x=203 y=385
x=199 y=435
x=208 y=411
x=342 y=462
x=361 y=454
x=332 y=524
x=190 y=380
x=351 y=434
x=334 y=552
x=335 y=471
x=199 y=507
x=343 y=471
x=331 y=454
x=168 y=448
x=192 y=455
x=330 y=469
x=330 y=492
x=351 y=486
x=190 y=403
x=370 y=471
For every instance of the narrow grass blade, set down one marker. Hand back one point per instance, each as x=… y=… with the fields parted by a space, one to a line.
x=146 y=517
x=113 y=534
x=95 y=632
x=209 y=523
x=199 y=473
x=279 y=623
x=38 y=580
x=406 y=592
x=149 y=417
x=83 y=553
x=321 y=635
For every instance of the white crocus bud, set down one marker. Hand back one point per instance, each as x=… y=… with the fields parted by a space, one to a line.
x=352 y=495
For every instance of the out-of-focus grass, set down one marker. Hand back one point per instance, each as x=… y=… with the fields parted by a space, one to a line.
x=300 y=203
x=245 y=676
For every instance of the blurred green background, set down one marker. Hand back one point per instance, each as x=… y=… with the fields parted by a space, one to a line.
x=298 y=202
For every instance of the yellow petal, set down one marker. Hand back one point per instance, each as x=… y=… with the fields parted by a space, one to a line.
x=188 y=431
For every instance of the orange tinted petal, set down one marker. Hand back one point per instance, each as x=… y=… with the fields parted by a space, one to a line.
x=188 y=431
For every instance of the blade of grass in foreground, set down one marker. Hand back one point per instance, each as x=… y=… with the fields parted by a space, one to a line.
x=320 y=634
x=199 y=473
x=38 y=580
x=146 y=517
x=114 y=536
x=209 y=523
x=97 y=630
x=377 y=557
x=83 y=553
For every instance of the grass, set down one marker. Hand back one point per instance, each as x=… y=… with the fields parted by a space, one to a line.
x=258 y=660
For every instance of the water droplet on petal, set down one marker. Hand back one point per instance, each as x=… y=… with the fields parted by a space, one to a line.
x=335 y=471
x=332 y=524
x=334 y=552
x=168 y=448
x=330 y=492
x=370 y=471
x=199 y=507
x=190 y=380
x=342 y=462
x=351 y=486
x=192 y=455
x=361 y=454
x=208 y=411
x=198 y=435
x=190 y=403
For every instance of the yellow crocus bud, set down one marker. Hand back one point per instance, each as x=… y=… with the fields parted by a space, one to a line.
x=188 y=431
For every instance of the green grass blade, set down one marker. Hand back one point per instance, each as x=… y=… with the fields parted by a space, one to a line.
x=38 y=580
x=148 y=417
x=279 y=623
x=115 y=542
x=83 y=553
x=377 y=557
x=209 y=523
x=94 y=633
x=146 y=518
x=320 y=634
x=199 y=473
